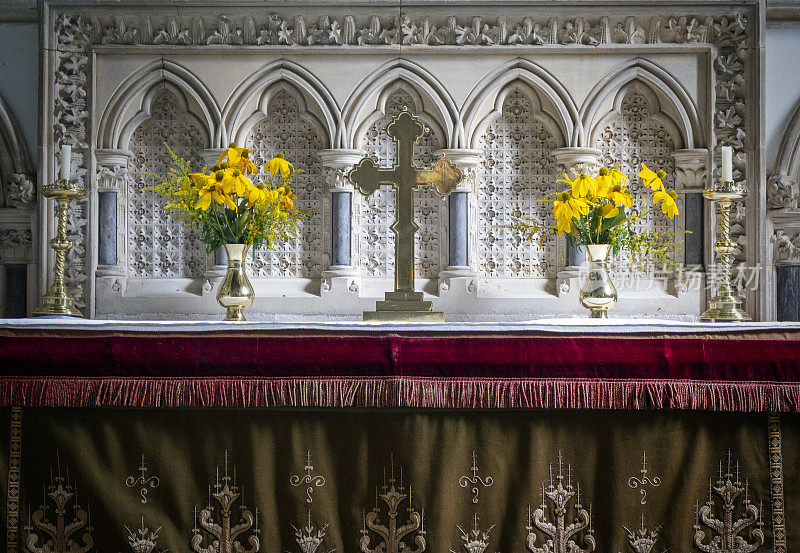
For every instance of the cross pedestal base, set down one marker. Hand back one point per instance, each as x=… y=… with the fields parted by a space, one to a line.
x=404 y=306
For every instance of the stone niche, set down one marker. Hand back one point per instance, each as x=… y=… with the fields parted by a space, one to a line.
x=515 y=95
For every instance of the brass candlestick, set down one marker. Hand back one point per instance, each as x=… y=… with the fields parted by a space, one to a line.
x=724 y=307
x=56 y=301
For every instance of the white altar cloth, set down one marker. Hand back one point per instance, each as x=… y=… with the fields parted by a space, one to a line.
x=560 y=325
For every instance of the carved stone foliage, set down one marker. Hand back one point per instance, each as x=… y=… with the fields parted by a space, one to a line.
x=377 y=212
x=158 y=245
x=730 y=116
x=15 y=245
x=275 y=30
x=285 y=130
x=20 y=191
x=517 y=171
x=70 y=126
x=634 y=136
x=782 y=192
x=786 y=247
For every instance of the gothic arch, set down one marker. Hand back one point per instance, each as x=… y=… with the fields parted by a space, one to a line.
x=663 y=85
x=283 y=123
x=555 y=127
x=157 y=245
x=13 y=149
x=787 y=162
x=316 y=98
x=245 y=126
x=517 y=139
x=114 y=131
x=436 y=100
x=482 y=103
x=655 y=110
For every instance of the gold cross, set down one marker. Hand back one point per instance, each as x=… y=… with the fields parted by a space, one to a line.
x=404 y=304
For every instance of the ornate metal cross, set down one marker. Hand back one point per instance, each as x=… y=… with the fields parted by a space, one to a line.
x=404 y=303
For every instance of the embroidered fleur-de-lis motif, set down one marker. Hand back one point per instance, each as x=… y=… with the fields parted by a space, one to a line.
x=143 y=481
x=643 y=480
x=308 y=478
x=475 y=480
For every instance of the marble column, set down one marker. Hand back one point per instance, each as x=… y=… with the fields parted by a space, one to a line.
x=788 y=292
x=218 y=263
x=461 y=274
x=342 y=275
x=112 y=188
x=691 y=171
x=574 y=161
x=16 y=290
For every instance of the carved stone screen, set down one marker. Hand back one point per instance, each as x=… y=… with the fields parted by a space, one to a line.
x=284 y=129
x=518 y=172
x=514 y=95
x=158 y=246
x=377 y=212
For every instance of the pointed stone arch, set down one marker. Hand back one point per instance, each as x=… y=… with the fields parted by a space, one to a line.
x=317 y=100
x=437 y=104
x=518 y=169
x=482 y=102
x=115 y=128
x=675 y=105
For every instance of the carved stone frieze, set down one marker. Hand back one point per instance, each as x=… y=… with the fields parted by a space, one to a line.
x=424 y=30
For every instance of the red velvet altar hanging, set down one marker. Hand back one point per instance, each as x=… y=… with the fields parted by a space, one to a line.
x=748 y=371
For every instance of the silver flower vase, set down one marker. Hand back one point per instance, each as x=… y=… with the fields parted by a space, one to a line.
x=235 y=291
x=598 y=293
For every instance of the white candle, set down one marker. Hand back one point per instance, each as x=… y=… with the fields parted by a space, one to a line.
x=66 y=160
x=727 y=164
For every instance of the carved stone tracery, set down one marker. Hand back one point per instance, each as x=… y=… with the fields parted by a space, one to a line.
x=284 y=129
x=518 y=170
x=158 y=245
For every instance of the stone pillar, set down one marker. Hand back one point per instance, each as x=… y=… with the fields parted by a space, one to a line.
x=218 y=263
x=461 y=274
x=574 y=161
x=691 y=175
x=342 y=276
x=112 y=191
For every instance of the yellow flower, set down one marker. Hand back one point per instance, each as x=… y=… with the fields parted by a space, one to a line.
x=669 y=207
x=620 y=195
x=607 y=179
x=582 y=186
x=610 y=211
x=279 y=163
x=652 y=179
x=213 y=190
x=238 y=158
x=235 y=180
x=259 y=193
x=566 y=208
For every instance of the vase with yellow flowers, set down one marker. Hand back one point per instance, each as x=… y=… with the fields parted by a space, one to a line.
x=237 y=206
x=597 y=212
